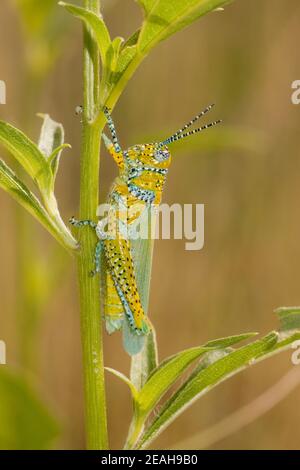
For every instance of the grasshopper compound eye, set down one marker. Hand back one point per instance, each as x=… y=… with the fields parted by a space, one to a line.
x=162 y=155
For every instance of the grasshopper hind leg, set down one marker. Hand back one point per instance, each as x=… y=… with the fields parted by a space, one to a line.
x=120 y=265
x=133 y=337
x=111 y=303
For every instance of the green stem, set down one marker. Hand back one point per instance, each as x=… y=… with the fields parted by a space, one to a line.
x=135 y=430
x=91 y=325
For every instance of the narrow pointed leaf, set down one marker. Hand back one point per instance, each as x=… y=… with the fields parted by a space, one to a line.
x=171 y=370
x=57 y=151
x=26 y=153
x=289 y=317
x=146 y=5
x=132 y=40
x=134 y=391
x=19 y=191
x=51 y=141
x=97 y=25
x=213 y=374
x=144 y=363
x=125 y=60
x=206 y=379
x=117 y=45
x=164 y=18
x=222 y=343
x=112 y=56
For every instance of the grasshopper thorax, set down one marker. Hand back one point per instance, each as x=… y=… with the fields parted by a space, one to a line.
x=145 y=171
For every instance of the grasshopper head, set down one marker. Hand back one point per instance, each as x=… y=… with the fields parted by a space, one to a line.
x=154 y=155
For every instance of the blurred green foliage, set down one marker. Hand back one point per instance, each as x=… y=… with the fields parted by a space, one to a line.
x=26 y=423
x=44 y=28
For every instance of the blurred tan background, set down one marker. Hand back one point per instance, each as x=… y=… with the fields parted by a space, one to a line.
x=247 y=174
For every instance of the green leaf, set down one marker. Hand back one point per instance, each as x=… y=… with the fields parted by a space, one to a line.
x=132 y=40
x=112 y=56
x=215 y=371
x=144 y=363
x=117 y=45
x=222 y=343
x=204 y=381
x=40 y=168
x=25 y=421
x=216 y=366
x=125 y=60
x=26 y=153
x=164 y=18
x=146 y=5
x=170 y=370
x=19 y=191
x=56 y=153
x=51 y=141
x=125 y=379
x=97 y=25
x=164 y=376
x=289 y=318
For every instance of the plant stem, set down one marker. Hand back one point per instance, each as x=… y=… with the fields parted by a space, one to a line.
x=91 y=325
x=135 y=430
